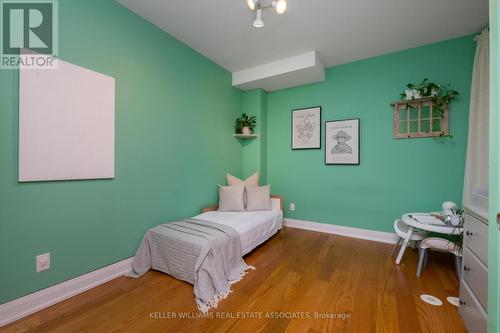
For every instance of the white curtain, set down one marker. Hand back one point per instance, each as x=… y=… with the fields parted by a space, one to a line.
x=475 y=194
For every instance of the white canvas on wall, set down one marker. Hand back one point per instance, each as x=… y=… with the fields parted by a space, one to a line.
x=66 y=124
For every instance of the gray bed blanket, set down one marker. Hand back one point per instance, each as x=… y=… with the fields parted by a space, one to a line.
x=205 y=254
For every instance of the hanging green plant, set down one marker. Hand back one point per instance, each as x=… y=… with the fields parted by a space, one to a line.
x=440 y=95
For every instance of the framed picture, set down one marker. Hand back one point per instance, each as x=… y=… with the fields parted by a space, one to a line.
x=306 y=128
x=342 y=142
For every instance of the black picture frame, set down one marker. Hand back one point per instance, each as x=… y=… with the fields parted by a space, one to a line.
x=292 y=128
x=358 y=145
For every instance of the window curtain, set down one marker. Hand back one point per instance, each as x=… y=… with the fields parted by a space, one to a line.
x=475 y=195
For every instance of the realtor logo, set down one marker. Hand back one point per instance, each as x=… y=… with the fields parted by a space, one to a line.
x=28 y=35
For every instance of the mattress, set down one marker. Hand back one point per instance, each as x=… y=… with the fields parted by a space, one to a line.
x=254 y=227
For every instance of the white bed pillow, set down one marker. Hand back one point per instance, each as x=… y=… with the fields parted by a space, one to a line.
x=258 y=197
x=253 y=180
x=231 y=198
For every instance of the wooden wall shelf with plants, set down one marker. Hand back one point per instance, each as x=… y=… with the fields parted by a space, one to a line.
x=418 y=118
x=423 y=111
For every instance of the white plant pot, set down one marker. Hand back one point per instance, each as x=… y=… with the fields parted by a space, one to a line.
x=455 y=220
x=245 y=130
x=412 y=94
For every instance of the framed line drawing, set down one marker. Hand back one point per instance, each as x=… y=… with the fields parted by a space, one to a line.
x=306 y=128
x=342 y=142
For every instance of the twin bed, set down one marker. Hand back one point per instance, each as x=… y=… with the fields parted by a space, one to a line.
x=254 y=227
x=207 y=250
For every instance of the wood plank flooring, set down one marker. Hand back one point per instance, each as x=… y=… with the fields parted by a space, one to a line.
x=352 y=285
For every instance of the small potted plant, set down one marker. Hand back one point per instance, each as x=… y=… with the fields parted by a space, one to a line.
x=411 y=92
x=245 y=124
x=440 y=95
x=456 y=218
x=456 y=221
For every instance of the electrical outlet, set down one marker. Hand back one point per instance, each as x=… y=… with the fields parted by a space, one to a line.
x=42 y=262
x=292 y=207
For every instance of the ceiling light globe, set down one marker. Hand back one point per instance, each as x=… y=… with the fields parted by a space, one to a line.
x=251 y=4
x=258 y=23
x=281 y=6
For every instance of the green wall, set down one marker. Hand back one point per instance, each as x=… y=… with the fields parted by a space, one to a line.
x=395 y=176
x=494 y=175
x=175 y=111
x=255 y=150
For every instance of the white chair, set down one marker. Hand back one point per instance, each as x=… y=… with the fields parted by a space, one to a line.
x=401 y=229
x=442 y=245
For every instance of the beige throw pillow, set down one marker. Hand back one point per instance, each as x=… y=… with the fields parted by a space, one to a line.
x=253 y=180
x=231 y=198
x=258 y=197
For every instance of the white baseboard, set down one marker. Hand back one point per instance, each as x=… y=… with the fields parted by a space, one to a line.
x=26 y=305
x=376 y=236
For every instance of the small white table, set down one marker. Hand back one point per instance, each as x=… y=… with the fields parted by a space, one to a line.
x=426 y=224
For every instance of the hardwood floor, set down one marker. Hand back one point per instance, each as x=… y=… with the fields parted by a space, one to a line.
x=299 y=273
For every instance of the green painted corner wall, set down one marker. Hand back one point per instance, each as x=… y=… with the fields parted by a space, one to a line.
x=175 y=111
x=394 y=176
x=255 y=150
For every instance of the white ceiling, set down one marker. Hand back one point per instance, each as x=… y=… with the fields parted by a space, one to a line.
x=340 y=30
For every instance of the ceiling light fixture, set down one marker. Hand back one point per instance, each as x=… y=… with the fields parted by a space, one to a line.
x=258 y=23
x=251 y=4
x=279 y=5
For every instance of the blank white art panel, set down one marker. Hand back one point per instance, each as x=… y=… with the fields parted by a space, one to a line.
x=66 y=124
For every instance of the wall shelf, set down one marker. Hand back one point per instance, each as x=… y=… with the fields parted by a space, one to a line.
x=246 y=136
x=417 y=118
